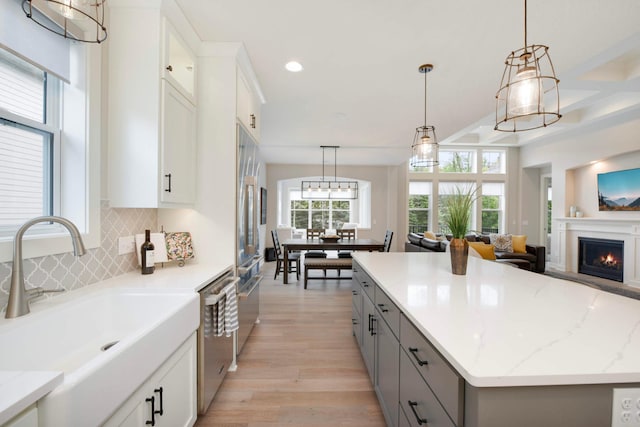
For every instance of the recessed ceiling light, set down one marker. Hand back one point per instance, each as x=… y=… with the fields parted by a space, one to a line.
x=294 y=66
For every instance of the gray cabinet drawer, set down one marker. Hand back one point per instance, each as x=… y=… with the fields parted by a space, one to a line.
x=356 y=319
x=442 y=378
x=368 y=285
x=388 y=310
x=356 y=295
x=417 y=401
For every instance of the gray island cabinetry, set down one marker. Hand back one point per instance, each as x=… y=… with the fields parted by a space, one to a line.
x=498 y=347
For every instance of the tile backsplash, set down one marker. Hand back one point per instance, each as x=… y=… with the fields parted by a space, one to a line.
x=65 y=271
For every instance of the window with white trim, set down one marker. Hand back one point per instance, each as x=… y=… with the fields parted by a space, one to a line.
x=419 y=206
x=29 y=140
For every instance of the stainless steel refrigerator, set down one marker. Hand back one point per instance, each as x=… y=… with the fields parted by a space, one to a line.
x=248 y=245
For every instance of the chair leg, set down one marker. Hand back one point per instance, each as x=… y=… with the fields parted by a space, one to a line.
x=277 y=269
x=306 y=276
x=298 y=269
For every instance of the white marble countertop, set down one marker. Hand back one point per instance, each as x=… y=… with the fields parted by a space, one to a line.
x=19 y=389
x=501 y=326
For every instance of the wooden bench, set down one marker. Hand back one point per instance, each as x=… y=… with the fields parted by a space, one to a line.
x=325 y=264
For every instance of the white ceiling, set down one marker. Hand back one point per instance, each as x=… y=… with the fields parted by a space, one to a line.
x=361 y=89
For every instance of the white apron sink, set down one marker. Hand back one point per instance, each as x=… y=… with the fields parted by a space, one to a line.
x=106 y=342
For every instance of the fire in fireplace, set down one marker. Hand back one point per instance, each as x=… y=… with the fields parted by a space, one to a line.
x=601 y=258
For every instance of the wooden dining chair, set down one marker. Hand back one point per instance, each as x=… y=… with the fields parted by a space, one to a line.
x=314 y=233
x=387 y=241
x=294 y=258
x=346 y=234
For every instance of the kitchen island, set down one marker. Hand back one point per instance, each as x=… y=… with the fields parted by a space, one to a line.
x=517 y=348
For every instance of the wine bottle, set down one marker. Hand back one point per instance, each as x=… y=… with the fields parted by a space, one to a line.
x=146 y=254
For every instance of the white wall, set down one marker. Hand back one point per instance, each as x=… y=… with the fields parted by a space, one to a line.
x=569 y=158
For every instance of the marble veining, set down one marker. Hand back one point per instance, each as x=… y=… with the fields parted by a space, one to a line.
x=501 y=326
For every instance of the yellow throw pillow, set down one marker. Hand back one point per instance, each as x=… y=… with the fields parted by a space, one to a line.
x=485 y=251
x=519 y=243
x=430 y=235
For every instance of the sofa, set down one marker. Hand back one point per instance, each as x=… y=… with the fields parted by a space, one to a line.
x=419 y=243
x=532 y=260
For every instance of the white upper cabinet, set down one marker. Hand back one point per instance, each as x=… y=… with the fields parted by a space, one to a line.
x=247 y=106
x=151 y=111
x=179 y=63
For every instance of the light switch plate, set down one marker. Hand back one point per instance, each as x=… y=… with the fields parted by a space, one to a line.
x=626 y=407
x=126 y=245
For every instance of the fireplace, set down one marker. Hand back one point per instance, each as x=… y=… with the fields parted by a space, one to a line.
x=601 y=258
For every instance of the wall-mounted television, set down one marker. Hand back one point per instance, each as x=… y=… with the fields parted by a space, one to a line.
x=619 y=190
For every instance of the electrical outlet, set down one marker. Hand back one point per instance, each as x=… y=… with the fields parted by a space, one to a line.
x=626 y=407
x=126 y=245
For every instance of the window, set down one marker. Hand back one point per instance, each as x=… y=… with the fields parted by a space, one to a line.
x=457 y=161
x=446 y=189
x=320 y=213
x=419 y=194
x=492 y=207
x=28 y=142
x=493 y=161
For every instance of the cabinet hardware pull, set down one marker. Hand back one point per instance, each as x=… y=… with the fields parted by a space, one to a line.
x=253 y=121
x=384 y=310
x=169 y=68
x=354 y=321
x=365 y=284
x=161 y=411
x=412 y=405
x=168 y=190
x=152 y=399
x=369 y=323
x=373 y=319
x=354 y=292
x=414 y=352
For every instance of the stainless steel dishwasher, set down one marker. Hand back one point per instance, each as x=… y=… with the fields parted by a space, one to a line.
x=215 y=353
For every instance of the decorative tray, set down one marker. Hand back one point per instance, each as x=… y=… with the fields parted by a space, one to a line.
x=330 y=239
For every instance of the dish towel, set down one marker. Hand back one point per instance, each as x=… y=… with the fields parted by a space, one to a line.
x=218 y=317
x=209 y=315
x=231 y=310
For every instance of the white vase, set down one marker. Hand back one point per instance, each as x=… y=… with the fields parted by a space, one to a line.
x=572 y=211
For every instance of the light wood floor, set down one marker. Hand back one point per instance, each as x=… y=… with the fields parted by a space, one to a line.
x=301 y=365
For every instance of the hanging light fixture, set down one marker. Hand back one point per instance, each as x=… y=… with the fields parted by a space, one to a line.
x=424 y=150
x=326 y=189
x=528 y=97
x=79 y=20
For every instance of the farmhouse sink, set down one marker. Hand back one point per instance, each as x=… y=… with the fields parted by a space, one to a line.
x=106 y=342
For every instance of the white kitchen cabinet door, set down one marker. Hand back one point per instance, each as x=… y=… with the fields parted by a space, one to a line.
x=247 y=106
x=168 y=398
x=178 y=149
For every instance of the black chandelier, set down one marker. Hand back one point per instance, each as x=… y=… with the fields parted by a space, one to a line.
x=327 y=189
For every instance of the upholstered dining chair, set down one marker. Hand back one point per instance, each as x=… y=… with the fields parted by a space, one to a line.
x=314 y=233
x=348 y=234
x=294 y=258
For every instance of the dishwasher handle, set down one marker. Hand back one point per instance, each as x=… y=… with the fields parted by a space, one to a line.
x=212 y=299
x=246 y=294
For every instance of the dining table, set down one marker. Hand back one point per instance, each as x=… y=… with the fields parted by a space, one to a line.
x=328 y=245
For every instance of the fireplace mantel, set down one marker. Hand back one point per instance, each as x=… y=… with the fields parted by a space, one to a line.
x=569 y=229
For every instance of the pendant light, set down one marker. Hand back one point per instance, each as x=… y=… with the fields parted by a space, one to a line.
x=329 y=189
x=79 y=20
x=528 y=97
x=424 y=150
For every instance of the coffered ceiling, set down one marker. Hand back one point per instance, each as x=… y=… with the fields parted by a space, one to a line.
x=361 y=89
